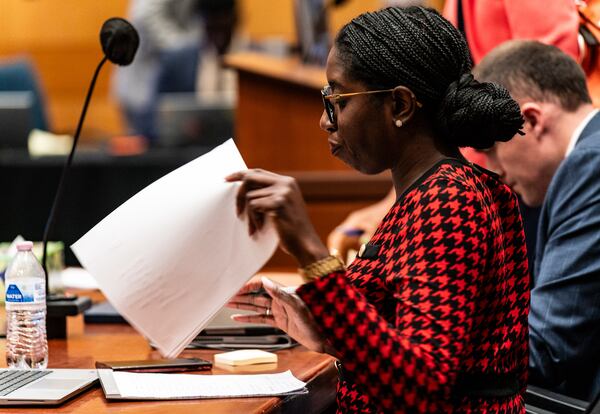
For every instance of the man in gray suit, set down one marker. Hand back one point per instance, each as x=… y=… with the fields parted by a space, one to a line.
x=556 y=164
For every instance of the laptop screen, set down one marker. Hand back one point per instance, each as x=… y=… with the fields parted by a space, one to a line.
x=184 y=120
x=16 y=118
x=594 y=407
x=222 y=324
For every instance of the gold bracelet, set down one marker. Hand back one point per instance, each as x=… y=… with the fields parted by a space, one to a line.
x=321 y=268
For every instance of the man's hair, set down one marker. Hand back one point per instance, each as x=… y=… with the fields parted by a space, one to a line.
x=532 y=69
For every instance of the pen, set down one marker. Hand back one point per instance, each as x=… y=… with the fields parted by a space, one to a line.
x=352 y=232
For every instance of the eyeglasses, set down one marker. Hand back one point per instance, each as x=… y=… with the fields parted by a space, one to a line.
x=329 y=98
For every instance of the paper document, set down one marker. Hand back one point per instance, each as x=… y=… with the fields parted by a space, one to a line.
x=78 y=278
x=171 y=256
x=184 y=386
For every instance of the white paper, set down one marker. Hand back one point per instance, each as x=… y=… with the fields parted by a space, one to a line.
x=78 y=278
x=173 y=386
x=171 y=256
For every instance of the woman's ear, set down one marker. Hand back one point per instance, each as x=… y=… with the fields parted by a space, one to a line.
x=405 y=105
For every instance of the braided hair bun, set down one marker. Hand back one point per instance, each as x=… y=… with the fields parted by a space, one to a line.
x=476 y=114
x=417 y=48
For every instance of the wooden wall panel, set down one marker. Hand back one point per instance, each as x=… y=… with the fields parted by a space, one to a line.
x=262 y=19
x=62 y=40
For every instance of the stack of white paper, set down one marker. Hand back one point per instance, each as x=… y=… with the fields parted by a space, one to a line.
x=171 y=256
x=184 y=386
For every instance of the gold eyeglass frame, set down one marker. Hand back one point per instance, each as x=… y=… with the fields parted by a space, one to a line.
x=329 y=97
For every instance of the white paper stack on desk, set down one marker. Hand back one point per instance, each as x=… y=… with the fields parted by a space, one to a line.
x=171 y=256
x=135 y=386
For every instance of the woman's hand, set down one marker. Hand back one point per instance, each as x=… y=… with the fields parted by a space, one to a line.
x=281 y=309
x=358 y=227
x=263 y=194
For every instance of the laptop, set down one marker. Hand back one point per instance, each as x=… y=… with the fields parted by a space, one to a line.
x=594 y=407
x=182 y=120
x=102 y=312
x=226 y=334
x=220 y=325
x=43 y=387
x=16 y=118
x=221 y=332
x=223 y=325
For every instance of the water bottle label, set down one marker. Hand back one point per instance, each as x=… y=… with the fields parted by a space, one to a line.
x=25 y=292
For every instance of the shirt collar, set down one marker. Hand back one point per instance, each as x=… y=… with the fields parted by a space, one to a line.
x=577 y=132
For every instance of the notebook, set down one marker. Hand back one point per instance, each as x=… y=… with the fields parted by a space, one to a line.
x=43 y=387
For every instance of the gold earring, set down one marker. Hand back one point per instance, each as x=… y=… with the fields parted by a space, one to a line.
x=398 y=123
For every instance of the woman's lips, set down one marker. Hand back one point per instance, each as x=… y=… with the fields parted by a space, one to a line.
x=334 y=147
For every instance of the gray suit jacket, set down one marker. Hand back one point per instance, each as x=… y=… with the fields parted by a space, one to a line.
x=564 y=321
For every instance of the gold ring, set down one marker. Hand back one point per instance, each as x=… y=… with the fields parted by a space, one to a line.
x=268 y=312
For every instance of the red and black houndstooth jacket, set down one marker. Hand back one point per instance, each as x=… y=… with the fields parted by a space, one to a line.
x=438 y=307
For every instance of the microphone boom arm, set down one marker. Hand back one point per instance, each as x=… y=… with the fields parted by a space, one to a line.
x=61 y=184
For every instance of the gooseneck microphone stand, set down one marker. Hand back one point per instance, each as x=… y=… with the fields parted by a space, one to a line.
x=61 y=184
x=60 y=306
x=119 y=41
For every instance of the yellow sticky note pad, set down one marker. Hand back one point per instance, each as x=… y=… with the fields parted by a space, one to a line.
x=245 y=357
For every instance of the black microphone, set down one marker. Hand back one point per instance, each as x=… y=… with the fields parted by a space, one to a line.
x=119 y=41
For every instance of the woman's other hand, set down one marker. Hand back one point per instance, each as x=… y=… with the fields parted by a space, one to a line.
x=358 y=227
x=279 y=308
x=265 y=194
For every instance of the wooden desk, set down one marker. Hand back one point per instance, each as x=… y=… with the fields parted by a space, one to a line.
x=88 y=343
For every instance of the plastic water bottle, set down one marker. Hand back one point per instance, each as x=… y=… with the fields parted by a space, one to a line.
x=26 y=344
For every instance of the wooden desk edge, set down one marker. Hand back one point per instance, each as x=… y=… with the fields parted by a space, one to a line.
x=287 y=69
x=321 y=389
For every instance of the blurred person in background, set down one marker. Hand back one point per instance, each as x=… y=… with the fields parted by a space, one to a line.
x=175 y=35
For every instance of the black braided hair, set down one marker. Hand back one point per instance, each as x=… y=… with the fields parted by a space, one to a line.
x=417 y=48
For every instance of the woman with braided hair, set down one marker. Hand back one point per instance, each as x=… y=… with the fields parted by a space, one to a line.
x=432 y=314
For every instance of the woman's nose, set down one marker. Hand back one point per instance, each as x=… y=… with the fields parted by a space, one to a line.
x=325 y=124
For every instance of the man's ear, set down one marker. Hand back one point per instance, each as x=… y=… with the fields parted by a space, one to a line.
x=534 y=118
x=405 y=104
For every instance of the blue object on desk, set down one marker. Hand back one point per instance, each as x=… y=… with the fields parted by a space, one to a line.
x=20 y=75
x=353 y=232
x=103 y=313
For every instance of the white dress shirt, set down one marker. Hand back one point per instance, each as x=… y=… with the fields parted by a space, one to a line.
x=577 y=132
